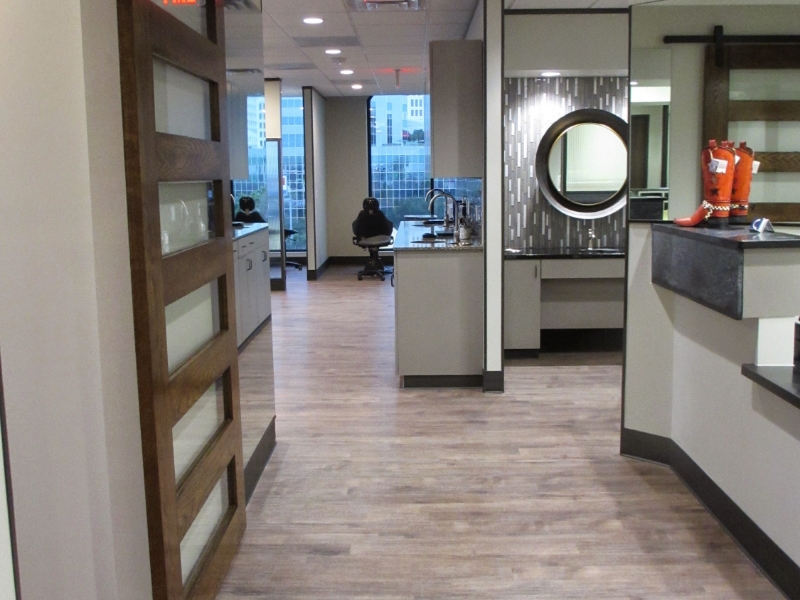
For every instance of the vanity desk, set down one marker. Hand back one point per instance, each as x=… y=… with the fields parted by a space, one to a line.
x=561 y=288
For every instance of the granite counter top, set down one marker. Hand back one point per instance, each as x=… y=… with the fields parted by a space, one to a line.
x=735 y=237
x=544 y=253
x=249 y=229
x=409 y=237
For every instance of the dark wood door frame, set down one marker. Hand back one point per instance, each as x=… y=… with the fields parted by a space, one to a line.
x=147 y=31
x=719 y=110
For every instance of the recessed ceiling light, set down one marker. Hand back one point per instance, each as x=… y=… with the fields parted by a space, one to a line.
x=312 y=21
x=346 y=71
x=356 y=86
x=333 y=51
x=551 y=74
x=634 y=83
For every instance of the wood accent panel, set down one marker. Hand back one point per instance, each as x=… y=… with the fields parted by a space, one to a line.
x=779 y=162
x=187 y=270
x=188 y=159
x=183 y=47
x=204 y=475
x=764 y=110
x=715 y=98
x=199 y=373
x=145 y=31
x=219 y=555
x=763 y=56
x=777 y=212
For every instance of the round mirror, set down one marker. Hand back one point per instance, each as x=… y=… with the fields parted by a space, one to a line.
x=582 y=164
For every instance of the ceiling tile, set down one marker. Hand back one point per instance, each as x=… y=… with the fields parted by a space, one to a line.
x=441 y=17
x=451 y=31
x=336 y=24
x=311 y=7
x=452 y=5
x=545 y=4
x=400 y=17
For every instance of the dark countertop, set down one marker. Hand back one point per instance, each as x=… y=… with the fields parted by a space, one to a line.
x=249 y=229
x=409 y=237
x=784 y=382
x=539 y=253
x=737 y=237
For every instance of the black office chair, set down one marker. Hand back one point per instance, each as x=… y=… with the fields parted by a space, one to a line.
x=372 y=231
x=287 y=233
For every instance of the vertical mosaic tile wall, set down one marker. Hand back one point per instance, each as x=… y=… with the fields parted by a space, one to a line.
x=531 y=106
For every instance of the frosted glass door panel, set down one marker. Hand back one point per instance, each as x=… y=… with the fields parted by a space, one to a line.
x=182 y=102
x=191 y=434
x=775 y=187
x=192 y=322
x=204 y=526
x=190 y=12
x=185 y=210
x=771 y=136
x=765 y=84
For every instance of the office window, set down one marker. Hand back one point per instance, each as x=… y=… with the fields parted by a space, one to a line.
x=294 y=171
x=399 y=156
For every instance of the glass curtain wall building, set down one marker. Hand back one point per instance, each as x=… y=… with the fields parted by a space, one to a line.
x=400 y=154
x=294 y=171
x=263 y=180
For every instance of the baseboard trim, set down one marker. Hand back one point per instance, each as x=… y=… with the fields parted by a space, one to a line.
x=358 y=260
x=765 y=553
x=258 y=461
x=315 y=274
x=646 y=446
x=256 y=331
x=494 y=381
x=277 y=285
x=776 y=565
x=442 y=381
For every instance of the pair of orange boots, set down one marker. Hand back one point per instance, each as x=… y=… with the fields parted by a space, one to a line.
x=727 y=176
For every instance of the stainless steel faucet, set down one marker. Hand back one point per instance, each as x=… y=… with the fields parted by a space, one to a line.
x=592 y=244
x=447 y=197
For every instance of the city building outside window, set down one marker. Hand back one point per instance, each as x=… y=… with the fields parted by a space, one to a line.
x=400 y=157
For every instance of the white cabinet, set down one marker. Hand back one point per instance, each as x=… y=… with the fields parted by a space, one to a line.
x=521 y=304
x=252 y=285
x=457 y=97
x=439 y=312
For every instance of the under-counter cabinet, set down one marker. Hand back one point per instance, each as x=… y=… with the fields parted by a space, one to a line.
x=560 y=293
x=522 y=291
x=251 y=279
x=438 y=315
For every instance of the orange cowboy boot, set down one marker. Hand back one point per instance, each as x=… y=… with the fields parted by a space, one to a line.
x=742 y=179
x=717 y=163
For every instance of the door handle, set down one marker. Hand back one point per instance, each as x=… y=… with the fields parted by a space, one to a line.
x=249 y=264
x=535 y=271
x=264 y=252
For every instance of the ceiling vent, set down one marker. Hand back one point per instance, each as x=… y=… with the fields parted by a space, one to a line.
x=388 y=4
x=327 y=42
x=290 y=67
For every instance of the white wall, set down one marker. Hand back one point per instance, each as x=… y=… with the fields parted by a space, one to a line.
x=574 y=44
x=475 y=29
x=493 y=186
x=66 y=328
x=347 y=170
x=316 y=186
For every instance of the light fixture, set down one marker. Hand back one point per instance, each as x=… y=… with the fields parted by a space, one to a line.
x=333 y=51
x=356 y=86
x=346 y=71
x=551 y=74
x=634 y=83
x=312 y=21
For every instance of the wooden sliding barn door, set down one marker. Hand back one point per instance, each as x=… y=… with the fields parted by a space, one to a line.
x=176 y=157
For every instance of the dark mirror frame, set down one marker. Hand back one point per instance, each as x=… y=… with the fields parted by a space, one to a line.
x=551 y=191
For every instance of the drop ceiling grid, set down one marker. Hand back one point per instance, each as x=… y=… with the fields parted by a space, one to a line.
x=388 y=40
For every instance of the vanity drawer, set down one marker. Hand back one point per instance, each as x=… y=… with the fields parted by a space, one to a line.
x=583 y=268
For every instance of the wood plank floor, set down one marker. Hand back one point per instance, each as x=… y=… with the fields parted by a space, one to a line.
x=379 y=493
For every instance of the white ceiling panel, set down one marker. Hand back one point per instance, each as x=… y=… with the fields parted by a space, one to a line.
x=545 y=4
x=442 y=17
x=452 y=5
x=336 y=24
x=397 y=17
x=312 y=7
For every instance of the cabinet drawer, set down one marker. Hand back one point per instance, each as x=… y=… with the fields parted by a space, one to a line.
x=586 y=268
